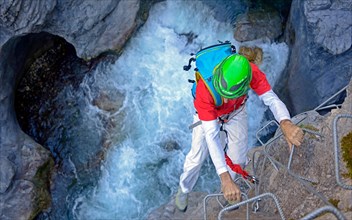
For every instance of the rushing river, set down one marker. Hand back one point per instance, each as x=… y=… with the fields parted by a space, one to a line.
x=141 y=169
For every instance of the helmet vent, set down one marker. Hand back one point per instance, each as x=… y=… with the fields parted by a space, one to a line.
x=235 y=87
x=223 y=83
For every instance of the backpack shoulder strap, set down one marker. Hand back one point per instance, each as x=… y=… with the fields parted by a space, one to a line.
x=208 y=83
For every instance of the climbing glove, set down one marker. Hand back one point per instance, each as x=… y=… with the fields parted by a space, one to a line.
x=293 y=133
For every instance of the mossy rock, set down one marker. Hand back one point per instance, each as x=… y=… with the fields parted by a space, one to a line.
x=309 y=127
x=334 y=202
x=346 y=148
x=41 y=181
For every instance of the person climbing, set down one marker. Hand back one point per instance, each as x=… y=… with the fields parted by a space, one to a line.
x=232 y=78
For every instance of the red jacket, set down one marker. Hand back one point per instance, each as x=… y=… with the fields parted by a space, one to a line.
x=205 y=105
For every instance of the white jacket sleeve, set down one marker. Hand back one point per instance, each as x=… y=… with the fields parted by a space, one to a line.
x=277 y=107
x=212 y=136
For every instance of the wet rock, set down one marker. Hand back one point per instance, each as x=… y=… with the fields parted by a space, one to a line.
x=92 y=27
x=49 y=99
x=319 y=34
x=22 y=199
x=171 y=146
x=331 y=22
x=20 y=189
x=7 y=173
x=226 y=11
x=258 y=24
x=108 y=102
x=17 y=17
x=49 y=69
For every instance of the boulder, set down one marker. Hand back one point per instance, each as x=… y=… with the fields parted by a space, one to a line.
x=258 y=24
x=92 y=27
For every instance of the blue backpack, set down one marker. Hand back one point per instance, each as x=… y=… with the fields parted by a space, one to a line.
x=206 y=60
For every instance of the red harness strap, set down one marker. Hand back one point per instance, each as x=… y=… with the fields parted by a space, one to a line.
x=235 y=167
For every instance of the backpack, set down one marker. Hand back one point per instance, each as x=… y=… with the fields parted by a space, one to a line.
x=206 y=60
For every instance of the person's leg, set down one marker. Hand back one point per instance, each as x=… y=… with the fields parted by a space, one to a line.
x=194 y=159
x=237 y=138
x=192 y=165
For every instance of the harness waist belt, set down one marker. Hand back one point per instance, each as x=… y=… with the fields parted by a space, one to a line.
x=227 y=117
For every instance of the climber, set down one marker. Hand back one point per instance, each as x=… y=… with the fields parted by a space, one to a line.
x=232 y=78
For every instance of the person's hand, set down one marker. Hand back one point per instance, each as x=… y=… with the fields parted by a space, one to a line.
x=231 y=191
x=293 y=133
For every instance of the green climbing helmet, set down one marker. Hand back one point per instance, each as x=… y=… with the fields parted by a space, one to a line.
x=231 y=78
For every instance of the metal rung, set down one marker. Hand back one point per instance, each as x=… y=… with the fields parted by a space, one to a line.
x=251 y=200
x=227 y=208
x=337 y=151
x=318 y=212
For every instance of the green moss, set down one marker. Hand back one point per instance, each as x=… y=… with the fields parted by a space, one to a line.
x=309 y=127
x=314 y=184
x=346 y=148
x=334 y=202
x=41 y=181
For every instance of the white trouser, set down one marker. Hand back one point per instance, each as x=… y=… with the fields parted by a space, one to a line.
x=237 y=139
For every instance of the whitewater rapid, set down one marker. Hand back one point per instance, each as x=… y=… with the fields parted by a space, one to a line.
x=142 y=167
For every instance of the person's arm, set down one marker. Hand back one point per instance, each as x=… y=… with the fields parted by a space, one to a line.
x=277 y=107
x=293 y=134
x=212 y=135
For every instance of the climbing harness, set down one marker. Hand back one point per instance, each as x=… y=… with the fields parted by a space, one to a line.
x=224 y=118
x=235 y=167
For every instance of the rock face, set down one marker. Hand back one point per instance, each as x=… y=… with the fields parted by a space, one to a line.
x=315 y=161
x=319 y=33
x=36 y=69
x=91 y=26
x=331 y=24
x=25 y=165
